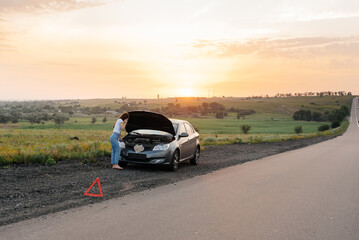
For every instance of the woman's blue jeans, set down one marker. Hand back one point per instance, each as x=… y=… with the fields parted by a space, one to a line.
x=116 y=150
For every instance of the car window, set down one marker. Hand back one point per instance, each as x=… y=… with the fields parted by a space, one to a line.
x=175 y=127
x=182 y=129
x=189 y=128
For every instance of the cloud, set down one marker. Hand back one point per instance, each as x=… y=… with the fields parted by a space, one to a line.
x=46 y=6
x=202 y=10
x=288 y=47
x=37 y=7
x=4 y=47
x=344 y=64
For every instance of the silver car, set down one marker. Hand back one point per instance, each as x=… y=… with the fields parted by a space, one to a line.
x=154 y=139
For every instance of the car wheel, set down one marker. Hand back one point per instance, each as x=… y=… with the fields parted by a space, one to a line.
x=174 y=162
x=195 y=159
x=122 y=164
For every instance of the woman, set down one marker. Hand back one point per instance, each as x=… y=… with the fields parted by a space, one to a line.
x=120 y=124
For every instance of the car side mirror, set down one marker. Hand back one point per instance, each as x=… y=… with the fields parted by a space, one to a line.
x=184 y=134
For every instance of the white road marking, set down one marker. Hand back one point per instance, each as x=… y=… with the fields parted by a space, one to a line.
x=356 y=115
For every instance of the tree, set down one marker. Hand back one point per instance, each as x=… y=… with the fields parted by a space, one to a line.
x=4 y=118
x=59 y=119
x=323 y=128
x=298 y=129
x=305 y=115
x=15 y=116
x=245 y=128
x=338 y=114
x=219 y=115
x=317 y=117
x=205 y=105
x=335 y=124
x=93 y=120
x=34 y=118
x=215 y=107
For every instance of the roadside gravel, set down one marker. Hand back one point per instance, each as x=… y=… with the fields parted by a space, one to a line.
x=28 y=191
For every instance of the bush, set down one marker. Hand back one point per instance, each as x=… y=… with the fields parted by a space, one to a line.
x=338 y=114
x=38 y=158
x=219 y=115
x=305 y=115
x=245 y=128
x=323 y=128
x=317 y=117
x=335 y=124
x=50 y=161
x=59 y=119
x=298 y=129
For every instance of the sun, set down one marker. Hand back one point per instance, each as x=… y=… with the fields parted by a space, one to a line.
x=186 y=92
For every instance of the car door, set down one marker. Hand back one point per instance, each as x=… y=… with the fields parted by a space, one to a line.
x=191 y=140
x=183 y=142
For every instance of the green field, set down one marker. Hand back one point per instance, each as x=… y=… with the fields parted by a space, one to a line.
x=43 y=143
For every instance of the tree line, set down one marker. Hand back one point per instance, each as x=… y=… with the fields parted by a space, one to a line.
x=336 y=117
x=305 y=94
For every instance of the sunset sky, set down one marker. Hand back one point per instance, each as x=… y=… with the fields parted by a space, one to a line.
x=69 y=49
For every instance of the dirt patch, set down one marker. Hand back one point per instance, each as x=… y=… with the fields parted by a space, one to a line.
x=28 y=191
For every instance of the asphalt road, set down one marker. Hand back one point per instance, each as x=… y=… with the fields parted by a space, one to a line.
x=309 y=193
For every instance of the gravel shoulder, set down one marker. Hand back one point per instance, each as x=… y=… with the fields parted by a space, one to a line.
x=32 y=190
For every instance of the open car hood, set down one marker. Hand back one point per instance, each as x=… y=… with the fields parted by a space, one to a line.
x=149 y=120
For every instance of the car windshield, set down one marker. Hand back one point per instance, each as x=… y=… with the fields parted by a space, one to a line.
x=175 y=126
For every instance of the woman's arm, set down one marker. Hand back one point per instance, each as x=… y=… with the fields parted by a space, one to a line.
x=123 y=124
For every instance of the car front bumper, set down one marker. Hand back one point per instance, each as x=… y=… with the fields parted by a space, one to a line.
x=146 y=157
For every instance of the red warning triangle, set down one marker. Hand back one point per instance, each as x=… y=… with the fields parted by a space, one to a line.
x=99 y=187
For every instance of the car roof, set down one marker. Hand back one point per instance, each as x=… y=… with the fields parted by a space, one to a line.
x=177 y=120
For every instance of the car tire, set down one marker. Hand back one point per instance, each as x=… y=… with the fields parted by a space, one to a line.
x=175 y=161
x=122 y=164
x=195 y=159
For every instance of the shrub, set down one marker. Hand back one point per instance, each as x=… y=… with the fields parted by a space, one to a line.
x=323 y=128
x=50 y=161
x=38 y=158
x=219 y=115
x=4 y=118
x=335 y=124
x=59 y=119
x=245 y=128
x=317 y=117
x=298 y=129
x=305 y=115
x=339 y=114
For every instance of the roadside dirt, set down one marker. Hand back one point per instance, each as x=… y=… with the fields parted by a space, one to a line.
x=28 y=191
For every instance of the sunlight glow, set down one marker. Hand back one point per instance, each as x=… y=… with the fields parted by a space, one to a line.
x=186 y=92
x=201 y=48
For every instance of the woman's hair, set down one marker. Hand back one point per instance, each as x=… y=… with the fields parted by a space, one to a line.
x=123 y=116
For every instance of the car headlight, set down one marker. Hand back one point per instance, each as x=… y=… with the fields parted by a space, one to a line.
x=161 y=147
x=122 y=144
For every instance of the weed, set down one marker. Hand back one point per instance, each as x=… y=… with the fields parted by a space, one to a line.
x=50 y=161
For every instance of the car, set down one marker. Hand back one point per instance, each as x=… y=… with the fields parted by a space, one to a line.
x=153 y=139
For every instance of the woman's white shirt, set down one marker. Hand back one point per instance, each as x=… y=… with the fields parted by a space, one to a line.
x=117 y=128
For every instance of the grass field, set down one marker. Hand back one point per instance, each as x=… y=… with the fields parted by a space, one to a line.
x=43 y=143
